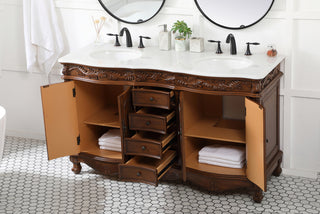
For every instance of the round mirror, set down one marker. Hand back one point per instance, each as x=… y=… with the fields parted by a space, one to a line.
x=132 y=11
x=234 y=14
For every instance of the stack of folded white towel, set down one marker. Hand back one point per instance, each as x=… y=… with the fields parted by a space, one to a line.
x=111 y=140
x=226 y=156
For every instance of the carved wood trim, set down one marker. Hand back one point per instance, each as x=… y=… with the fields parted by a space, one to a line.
x=169 y=79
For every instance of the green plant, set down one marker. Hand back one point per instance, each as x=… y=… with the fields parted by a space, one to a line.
x=182 y=28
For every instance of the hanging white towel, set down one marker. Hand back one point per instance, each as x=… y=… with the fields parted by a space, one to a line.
x=43 y=38
x=232 y=153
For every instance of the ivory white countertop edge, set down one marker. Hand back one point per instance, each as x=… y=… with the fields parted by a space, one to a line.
x=256 y=66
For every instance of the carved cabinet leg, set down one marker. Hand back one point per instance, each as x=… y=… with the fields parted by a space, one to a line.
x=278 y=170
x=76 y=164
x=257 y=195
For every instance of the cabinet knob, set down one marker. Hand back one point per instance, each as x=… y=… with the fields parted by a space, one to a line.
x=148 y=123
x=143 y=148
x=138 y=173
x=267 y=141
x=151 y=99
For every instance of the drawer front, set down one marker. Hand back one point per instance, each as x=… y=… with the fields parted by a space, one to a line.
x=133 y=147
x=151 y=98
x=138 y=174
x=147 y=123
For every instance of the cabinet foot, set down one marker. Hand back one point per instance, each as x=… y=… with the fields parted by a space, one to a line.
x=257 y=195
x=277 y=172
x=76 y=164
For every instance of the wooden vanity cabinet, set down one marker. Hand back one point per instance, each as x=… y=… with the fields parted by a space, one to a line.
x=204 y=123
x=76 y=114
x=165 y=118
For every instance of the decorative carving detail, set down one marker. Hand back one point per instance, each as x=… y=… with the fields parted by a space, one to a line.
x=98 y=73
x=171 y=79
x=155 y=76
x=213 y=84
x=259 y=85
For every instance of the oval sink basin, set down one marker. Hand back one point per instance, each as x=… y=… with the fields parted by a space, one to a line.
x=224 y=64
x=118 y=55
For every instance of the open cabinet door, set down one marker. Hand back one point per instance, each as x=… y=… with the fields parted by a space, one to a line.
x=255 y=144
x=125 y=106
x=61 y=119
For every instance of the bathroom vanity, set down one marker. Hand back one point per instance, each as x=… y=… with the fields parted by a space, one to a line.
x=168 y=105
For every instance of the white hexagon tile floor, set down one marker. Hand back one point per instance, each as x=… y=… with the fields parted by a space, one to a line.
x=31 y=184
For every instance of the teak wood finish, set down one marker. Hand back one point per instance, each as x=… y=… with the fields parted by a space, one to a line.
x=194 y=102
x=152 y=98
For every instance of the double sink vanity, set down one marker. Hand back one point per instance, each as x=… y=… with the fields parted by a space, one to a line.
x=167 y=105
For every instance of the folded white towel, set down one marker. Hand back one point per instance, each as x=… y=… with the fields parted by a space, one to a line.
x=114 y=144
x=116 y=140
x=240 y=165
x=111 y=148
x=231 y=153
x=111 y=134
x=220 y=160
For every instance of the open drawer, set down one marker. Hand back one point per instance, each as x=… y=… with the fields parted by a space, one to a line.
x=149 y=144
x=152 y=98
x=154 y=120
x=147 y=170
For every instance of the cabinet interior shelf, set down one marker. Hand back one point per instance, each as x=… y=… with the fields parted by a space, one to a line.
x=111 y=156
x=108 y=117
x=193 y=163
x=218 y=129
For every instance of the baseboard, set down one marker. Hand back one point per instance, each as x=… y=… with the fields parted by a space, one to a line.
x=301 y=173
x=37 y=136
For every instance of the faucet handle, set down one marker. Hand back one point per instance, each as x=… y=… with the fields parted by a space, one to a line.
x=219 y=51
x=248 y=52
x=117 y=43
x=141 y=42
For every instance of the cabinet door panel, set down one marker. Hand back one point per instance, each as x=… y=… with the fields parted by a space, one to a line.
x=125 y=107
x=255 y=144
x=61 y=119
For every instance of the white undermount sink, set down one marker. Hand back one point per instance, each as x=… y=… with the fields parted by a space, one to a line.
x=117 y=55
x=223 y=63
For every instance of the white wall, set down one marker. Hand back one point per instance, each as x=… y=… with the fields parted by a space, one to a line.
x=293 y=26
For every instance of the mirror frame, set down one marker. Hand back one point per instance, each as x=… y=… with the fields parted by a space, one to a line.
x=121 y=20
x=233 y=28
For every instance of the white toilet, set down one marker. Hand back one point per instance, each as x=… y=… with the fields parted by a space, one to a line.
x=2 y=129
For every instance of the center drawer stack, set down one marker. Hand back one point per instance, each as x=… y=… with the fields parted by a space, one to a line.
x=151 y=147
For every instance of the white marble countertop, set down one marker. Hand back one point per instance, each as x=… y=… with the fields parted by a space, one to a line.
x=206 y=63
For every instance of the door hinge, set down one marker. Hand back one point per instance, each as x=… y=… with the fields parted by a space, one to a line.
x=78 y=140
x=74 y=92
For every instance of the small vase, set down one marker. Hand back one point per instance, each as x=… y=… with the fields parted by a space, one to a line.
x=180 y=44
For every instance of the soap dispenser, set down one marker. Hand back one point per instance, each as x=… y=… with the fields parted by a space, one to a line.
x=165 y=39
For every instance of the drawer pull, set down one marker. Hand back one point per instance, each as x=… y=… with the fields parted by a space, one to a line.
x=151 y=99
x=148 y=123
x=143 y=148
x=138 y=174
